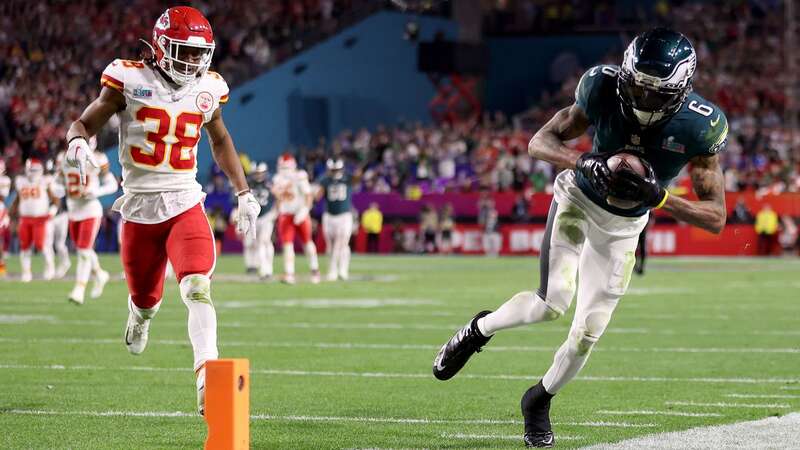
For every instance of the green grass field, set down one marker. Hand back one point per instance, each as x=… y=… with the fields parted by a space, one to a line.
x=348 y=365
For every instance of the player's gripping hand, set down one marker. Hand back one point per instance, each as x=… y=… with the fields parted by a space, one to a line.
x=247 y=213
x=80 y=155
x=300 y=216
x=627 y=185
x=593 y=167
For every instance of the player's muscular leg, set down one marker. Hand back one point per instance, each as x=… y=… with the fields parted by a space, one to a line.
x=561 y=247
x=190 y=246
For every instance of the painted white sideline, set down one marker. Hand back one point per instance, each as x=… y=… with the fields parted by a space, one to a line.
x=762 y=395
x=729 y=405
x=772 y=433
x=341 y=374
x=516 y=437
x=650 y=412
x=304 y=418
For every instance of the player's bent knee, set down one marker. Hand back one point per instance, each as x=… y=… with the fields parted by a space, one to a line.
x=196 y=288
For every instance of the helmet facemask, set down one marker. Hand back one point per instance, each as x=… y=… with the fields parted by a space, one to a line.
x=647 y=103
x=185 y=61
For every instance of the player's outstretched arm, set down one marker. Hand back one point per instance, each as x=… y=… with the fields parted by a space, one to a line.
x=548 y=143
x=709 y=211
x=224 y=152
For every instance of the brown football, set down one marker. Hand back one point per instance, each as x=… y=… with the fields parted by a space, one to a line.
x=629 y=162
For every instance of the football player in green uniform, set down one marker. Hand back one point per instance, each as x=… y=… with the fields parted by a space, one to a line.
x=645 y=107
x=337 y=220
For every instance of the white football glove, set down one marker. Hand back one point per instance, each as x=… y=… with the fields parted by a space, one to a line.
x=80 y=155
x=246 y=215
x=300 y=216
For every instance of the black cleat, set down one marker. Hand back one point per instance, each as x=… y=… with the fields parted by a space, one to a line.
x=544 y=439
x=535 y=407
x=457 y=351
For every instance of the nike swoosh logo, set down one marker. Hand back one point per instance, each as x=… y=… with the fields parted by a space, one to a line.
x=715 y=121
x=438 y=365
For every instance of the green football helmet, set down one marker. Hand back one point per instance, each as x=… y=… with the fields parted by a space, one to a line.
x=656 y=76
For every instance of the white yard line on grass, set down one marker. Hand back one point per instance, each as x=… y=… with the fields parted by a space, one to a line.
x=342 y=374
x=762 y=395
x=304 y=418
x=772 y=432
x=501 y=436
x=790 y=388
x=650 y=412
x=358 y=345
x=729 y=405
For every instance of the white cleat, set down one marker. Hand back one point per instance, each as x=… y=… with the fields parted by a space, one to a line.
x=99 y=283
x=136 y=334
x=201 y=391
x=288 y=279
x=77 y=294
x=344 y=276
x=26 y=277
x=315 y=278
x=62 y=269
x=331 y=277
x=48 y=274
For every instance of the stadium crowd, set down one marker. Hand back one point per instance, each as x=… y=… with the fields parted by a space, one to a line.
x=740 y=68
x=52 y=54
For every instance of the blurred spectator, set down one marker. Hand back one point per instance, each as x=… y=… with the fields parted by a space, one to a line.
x=398 y=238
x=372 y=223
x=446 y=226
x=788 y=233
x=520 y=212
x=218 y=220
x=492 y=240
x=767 y=230
x=740 y=214
x=428 y=226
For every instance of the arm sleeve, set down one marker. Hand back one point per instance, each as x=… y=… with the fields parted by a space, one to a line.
x=108 y=184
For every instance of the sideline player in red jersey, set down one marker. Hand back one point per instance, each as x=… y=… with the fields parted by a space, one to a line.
x=162 y=103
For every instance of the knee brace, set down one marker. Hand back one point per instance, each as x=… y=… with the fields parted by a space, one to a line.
x=196 y=288
x=582 y=341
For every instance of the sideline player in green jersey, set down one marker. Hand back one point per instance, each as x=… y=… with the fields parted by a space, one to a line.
x=337 y=220
x=646 y=107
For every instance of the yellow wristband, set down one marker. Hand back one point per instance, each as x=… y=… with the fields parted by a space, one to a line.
x=663 y=200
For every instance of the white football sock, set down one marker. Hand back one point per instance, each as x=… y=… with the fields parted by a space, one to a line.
x=311 y=252
x=344 y=259
x=49 y=264
x=95 y=263
x=523 y=308
x=569 y=360
x=288 y=259
x=143 y=314
x=25 y=260
x=196 y=295
x=84 y=268
x=266 y=253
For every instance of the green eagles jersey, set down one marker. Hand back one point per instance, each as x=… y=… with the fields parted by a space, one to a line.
x=338 y=194
x=698 y=128
x=262 y=191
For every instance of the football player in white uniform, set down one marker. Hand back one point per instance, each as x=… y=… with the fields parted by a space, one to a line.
x=85 y=213
x=5 y=190
x=35 y=205
x=293 y=195
x=58 y=225
x=263 y=251
x=163 y=103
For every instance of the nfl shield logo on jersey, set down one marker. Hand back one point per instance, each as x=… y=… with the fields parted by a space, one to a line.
x=205 y=102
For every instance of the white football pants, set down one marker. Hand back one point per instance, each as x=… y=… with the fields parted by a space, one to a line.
x=265 y=249
x=337 y=230
x=581 y=239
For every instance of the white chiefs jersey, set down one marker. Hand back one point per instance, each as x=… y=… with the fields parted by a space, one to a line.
x=291 y=187
x=5 y=186
x=34 y=196
x=79 y=205
x=160 y=126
